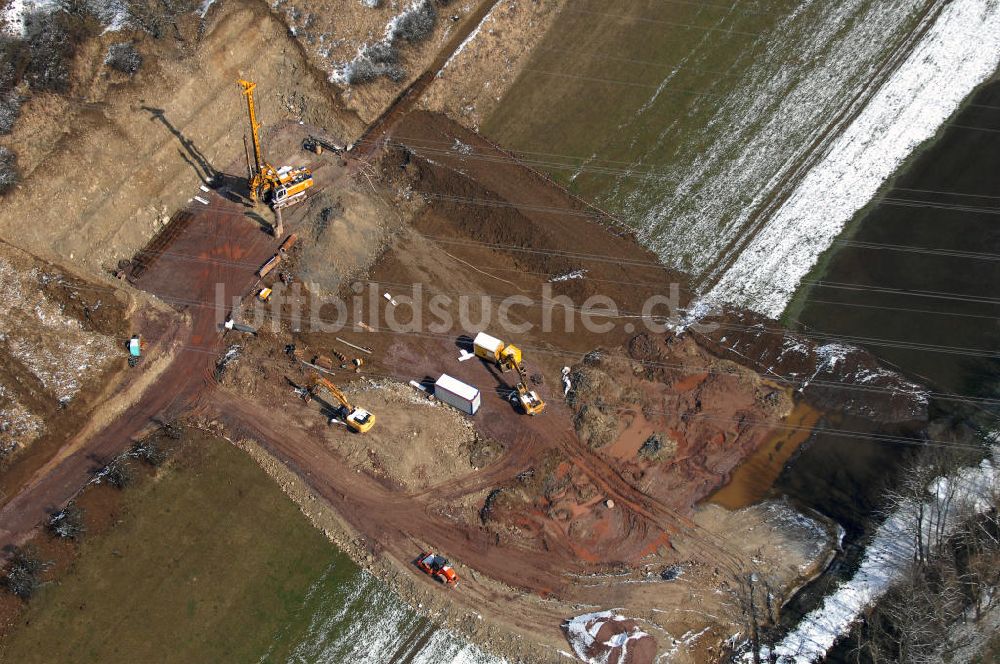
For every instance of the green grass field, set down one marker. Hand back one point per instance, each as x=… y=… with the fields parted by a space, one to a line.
x=591 y=90
x=683 y=118
x=210 y=562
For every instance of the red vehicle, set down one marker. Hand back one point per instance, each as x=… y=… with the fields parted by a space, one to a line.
x=437 y=567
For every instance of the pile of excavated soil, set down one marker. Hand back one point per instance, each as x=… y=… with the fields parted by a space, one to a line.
x=830 y=376
x=613 y=639
x=678 y=419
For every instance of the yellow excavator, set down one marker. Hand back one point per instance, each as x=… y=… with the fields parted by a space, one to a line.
x=357 y=419
x=279 y=187
x=508 y=357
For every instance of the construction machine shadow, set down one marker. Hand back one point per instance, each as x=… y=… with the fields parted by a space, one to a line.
x=232 y=187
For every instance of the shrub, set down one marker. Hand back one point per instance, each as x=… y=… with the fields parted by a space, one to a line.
x=374 y=60
x=596 y=426
x=118 y=473
x=49 y=50
x=23 y=573
x=417 y=24
x=8 y=169
x=68 y=522
x=10 y=108
x=381 y=53
x=123 y=57
x=156 y=17
x=150 y=451
x=658 y=446
x=10 y=100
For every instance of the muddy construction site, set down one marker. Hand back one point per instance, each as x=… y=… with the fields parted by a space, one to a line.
x=412 y=242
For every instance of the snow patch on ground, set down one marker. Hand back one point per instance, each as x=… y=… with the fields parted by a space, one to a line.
x=472 y=36
x=18 y=10
x=18 y=425
x=580 y=636
x=112 y=14
x=574 y=274
x=51 y=345
x=205 y=6
x=360 y=620
x=830 y=355
x=583 y=631
x=341 y=72
x=461 y=147
x=959 y=51
x=809 y=535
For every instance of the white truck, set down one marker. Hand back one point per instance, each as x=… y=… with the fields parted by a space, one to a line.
x=456 y=393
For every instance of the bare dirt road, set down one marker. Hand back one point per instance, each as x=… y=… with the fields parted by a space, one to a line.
x=209 y=254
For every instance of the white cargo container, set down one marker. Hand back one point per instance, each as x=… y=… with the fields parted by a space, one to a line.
x=456 y=393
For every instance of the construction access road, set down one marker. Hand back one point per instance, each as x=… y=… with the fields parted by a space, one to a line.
x=570 y=520
x=208 y=250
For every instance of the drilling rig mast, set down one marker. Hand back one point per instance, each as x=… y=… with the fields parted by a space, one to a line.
x=279 y=187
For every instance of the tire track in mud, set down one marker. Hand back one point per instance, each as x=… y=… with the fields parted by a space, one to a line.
x=386 y=518
x=655 y=512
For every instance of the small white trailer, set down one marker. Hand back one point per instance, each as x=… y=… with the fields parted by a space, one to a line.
x=456 y=393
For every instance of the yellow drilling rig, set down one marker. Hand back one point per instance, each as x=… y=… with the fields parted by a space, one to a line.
x=279 y=187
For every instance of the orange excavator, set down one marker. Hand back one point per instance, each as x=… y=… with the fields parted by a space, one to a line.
x=279 y=187
x=357 y=419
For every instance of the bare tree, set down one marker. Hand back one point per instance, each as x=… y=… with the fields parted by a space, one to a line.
x=150 y=451
x=118 y=473
x=67 y=522
x=23 y=575
x=952 y=573
x=8 y=169
x=754 y=609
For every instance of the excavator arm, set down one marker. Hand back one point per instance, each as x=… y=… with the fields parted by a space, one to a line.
x=358 y=419
x=529 y=399
x=319 y=381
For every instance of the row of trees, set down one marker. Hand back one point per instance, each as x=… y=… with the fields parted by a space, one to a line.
x=22 y=575
x=953 y=570
x=948 y=563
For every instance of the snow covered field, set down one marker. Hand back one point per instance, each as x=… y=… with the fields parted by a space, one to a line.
x=112 y=14
x=364 y=622
x=51 y=346
x=748 y=182
x=745 y=145
x=960 y=50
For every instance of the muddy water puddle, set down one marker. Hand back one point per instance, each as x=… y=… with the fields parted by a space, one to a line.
x=754 y=478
